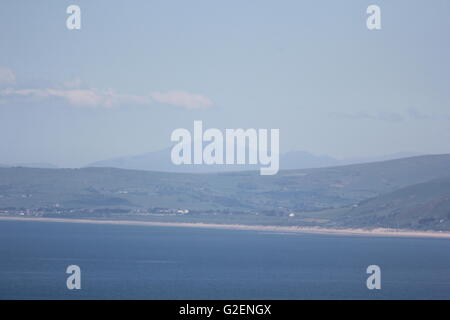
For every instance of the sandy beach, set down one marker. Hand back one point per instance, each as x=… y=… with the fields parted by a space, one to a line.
x=379 y=232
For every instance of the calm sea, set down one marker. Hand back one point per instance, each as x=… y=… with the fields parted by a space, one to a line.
x=139 y=262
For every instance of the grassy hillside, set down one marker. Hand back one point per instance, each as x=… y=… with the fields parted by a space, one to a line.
x=421 y=206
x=107 y=190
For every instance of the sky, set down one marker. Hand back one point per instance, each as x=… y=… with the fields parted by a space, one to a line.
x=137 y=70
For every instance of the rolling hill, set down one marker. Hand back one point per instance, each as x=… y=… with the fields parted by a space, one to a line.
x=94 y=191
x=420 y=206
x=160 y=161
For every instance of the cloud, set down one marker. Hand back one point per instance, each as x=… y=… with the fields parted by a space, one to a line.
x=7 y=77
x=182 y=99
x=409 y=114
x=71 y=93
x=78 y=97
x=383 y=116
x=416 y=114
x=75 y=93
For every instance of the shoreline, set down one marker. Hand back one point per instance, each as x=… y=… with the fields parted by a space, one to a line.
x=378 y=232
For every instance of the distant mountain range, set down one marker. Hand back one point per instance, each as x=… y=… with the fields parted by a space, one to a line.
x=43 y=165
x=410 y=192
x=160 y=161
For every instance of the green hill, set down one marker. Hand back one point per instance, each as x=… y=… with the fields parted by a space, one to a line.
x=421 y=206
x=106 y=191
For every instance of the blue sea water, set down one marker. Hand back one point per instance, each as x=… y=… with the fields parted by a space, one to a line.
x=141 y=262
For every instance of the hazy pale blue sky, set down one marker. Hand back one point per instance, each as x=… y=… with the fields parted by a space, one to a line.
x=139 y=69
